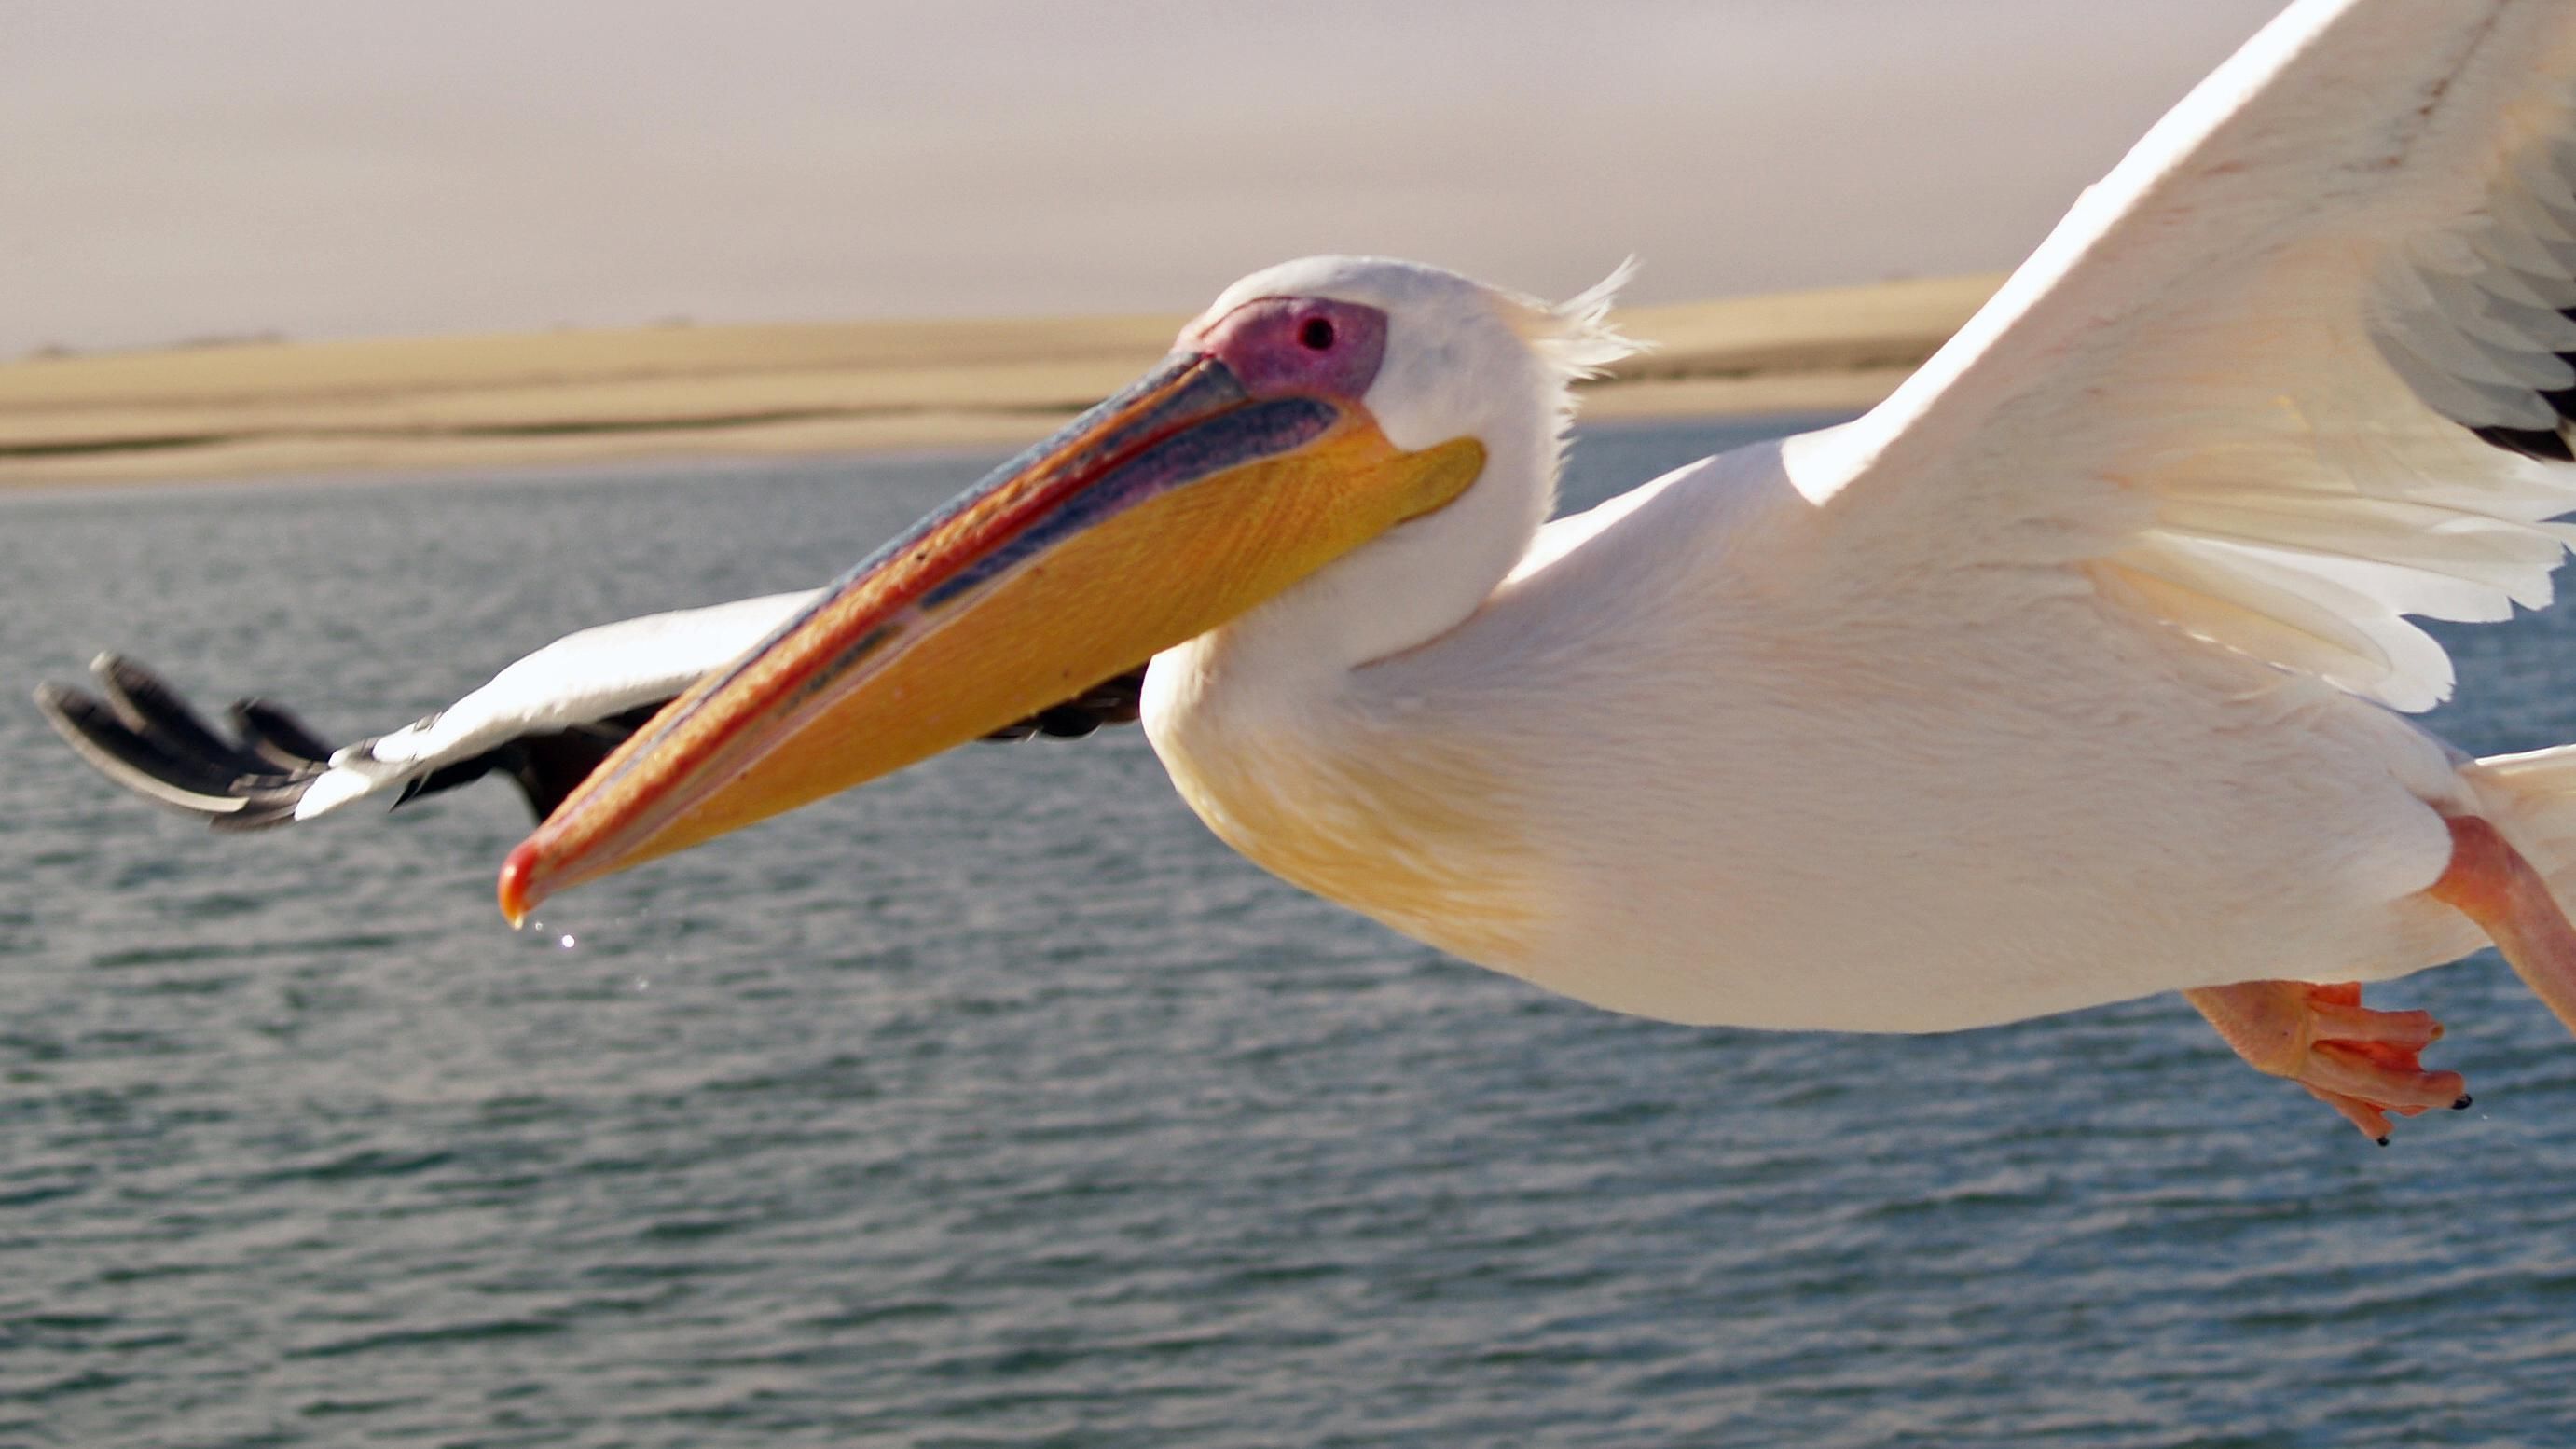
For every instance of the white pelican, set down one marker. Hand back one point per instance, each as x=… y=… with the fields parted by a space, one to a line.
x=2071 y=673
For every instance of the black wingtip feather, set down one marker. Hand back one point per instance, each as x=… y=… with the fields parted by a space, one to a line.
x=278 y=736
x=2546 y=445
x=142 y=735
x=157 y=712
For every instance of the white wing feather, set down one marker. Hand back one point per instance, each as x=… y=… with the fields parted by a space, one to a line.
x=2292 y=371
x=577 y=679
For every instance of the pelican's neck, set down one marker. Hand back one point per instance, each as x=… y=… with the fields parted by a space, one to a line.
x=1400 y=591
x=1279 y=739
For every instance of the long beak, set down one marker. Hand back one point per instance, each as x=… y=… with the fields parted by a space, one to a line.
x=1156 y=516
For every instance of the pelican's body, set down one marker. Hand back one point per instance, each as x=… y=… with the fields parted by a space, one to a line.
x=2069 y=674
x=1656 y=774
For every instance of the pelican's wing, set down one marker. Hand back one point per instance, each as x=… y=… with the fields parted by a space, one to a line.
x=546 y=722
x=2298 y=367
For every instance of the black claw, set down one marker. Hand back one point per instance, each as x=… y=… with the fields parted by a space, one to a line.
x=2383 y=1139
x=2462 y=1105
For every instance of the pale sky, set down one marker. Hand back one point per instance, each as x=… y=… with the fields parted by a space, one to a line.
x=172 y=171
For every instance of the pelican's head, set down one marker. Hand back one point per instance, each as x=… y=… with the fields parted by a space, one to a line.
x=1322 y=415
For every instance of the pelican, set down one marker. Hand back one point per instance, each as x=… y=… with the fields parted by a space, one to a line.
x=2077 y=670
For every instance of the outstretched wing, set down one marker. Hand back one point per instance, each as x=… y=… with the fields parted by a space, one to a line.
x=2301 y=365
x=544 y=722
x=140 y=733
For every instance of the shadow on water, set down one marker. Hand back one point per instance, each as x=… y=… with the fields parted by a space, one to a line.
x=998 y=1103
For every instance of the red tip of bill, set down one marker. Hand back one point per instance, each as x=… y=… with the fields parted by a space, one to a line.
x=518 y=875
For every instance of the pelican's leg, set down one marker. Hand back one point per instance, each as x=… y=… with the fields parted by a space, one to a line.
x=2489 y=882
x=2356 y=1060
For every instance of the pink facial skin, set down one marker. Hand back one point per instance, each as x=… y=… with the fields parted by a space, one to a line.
x=1296 y=346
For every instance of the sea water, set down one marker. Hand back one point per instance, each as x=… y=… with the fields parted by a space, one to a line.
x=997 y=1103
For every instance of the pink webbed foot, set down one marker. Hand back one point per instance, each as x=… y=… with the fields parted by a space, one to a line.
x=2363 y=1063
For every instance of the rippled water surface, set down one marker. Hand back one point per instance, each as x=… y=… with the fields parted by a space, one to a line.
x=999 y=1104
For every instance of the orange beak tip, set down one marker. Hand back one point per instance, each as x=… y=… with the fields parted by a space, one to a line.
x=518 y=874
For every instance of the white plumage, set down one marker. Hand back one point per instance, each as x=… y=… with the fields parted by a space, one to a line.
x=588 y=675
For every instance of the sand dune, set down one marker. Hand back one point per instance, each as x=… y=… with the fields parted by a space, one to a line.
x=437 y=404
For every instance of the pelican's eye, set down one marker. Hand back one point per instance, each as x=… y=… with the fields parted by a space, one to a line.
x=1303 y=346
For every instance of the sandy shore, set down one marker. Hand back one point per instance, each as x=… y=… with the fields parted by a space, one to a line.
x=454 y=403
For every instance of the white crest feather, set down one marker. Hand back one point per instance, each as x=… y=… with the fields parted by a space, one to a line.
x=1576 y=336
